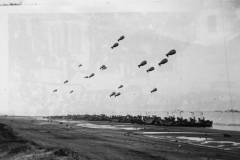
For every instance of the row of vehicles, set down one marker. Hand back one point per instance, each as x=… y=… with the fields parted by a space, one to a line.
x=147 y=120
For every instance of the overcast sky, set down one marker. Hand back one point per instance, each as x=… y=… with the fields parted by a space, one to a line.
x=43 y=42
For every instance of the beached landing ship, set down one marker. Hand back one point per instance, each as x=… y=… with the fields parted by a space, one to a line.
x=115 y=118
x=137 y=119
x=126 y=119
x=101 y=117
x=170 y=121
x=149 y=120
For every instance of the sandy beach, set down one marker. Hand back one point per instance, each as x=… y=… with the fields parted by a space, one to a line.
x=109 y=140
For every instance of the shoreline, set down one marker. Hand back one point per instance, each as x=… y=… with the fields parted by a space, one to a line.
x=227 y=127
x=177 y=143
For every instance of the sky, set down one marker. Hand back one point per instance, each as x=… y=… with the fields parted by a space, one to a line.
x=43 y=42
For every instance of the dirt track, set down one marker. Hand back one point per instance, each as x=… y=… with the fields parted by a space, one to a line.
x=103 y=144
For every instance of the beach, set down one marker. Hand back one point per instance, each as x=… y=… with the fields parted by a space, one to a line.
x=111 y=140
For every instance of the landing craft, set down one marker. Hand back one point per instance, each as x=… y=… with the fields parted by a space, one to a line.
x=121 y=38
x=55 y=90
x=172 y=52
x=142 y=64
x=66 y=81
x=113 y=93
x=150 y=69
x=154 y=90
x=86 y=77
x=91 y=75
x=117 y=94
x=71 y=92
x=163 y=61
x=115 y=45
x=120 y=86
x=80 y=65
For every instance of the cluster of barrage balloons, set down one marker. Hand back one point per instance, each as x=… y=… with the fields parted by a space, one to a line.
x=103 y=67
